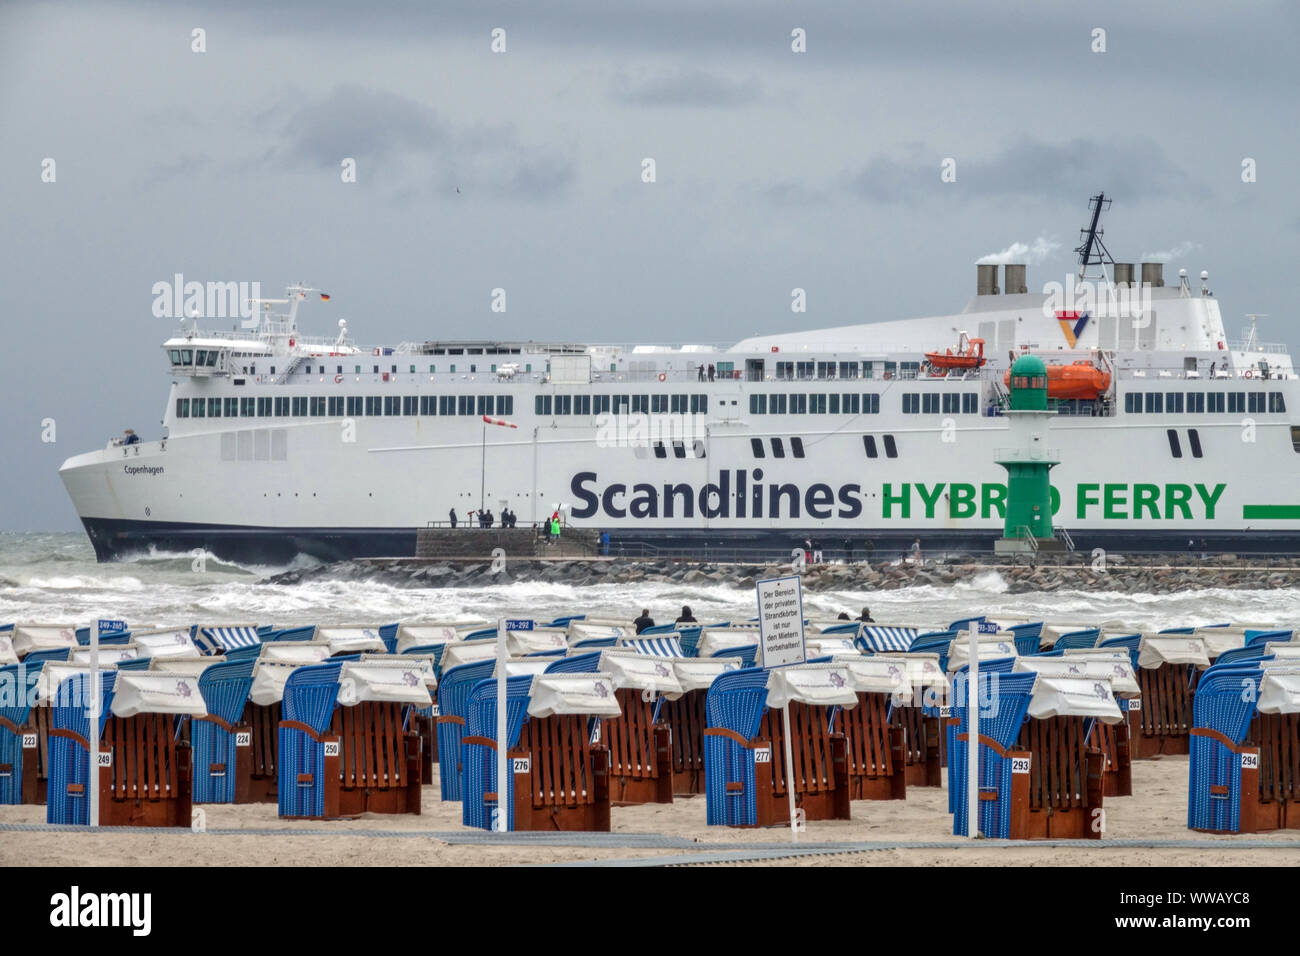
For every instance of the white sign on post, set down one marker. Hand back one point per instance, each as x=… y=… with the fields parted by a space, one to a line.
x=504 y=625
x=781 y=642
x=102 y=627
x=780 y=622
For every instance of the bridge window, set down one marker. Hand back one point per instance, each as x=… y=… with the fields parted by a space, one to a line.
x=1255 y=401
x=374 y=405
x=1295 y=439
x=318 y=406
x=392 y=404
x=263 y=408
x=756 y=445
x=446 y=404
x=1175 y=448
x=817 y=403
x=197 y=408
x=851 y=403
x=848 y=370
x=699 y=404
x=1155 y=402
x=784 y=370
x=336 y=406
x=464 y=404
x=581 y=405
x=798 y=404
x=758 y=404
x=834 y=407
x=1276 y=402
x=778 y=448
x=428 y=405
x=891 y=449
x=679 y=405
x=869 y=443
x=640 y=404
x=1174 y=403
x=175 y=356
x=777 y=404
x=600 y=403
x=246 y=406
x=281 y=406
x=911 y=403
x=951 y=402
x=804 y=370
x=658 y=404
x=870 y=404
x=214 y=408
x=230 y=407
x=411 y=404
x=796 y=447
x=299 y=406
x=187 y=357
x=1194 y=440
x=201 y=358
x=1236 y=402
x=542 y=405
x=970 y=403
x=1195 y=403
x=1133 y=403
x=183 y=408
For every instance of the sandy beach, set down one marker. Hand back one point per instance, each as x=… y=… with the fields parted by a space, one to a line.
x=677 y=833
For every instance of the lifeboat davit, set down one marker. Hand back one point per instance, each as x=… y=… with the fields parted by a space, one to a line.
x=1079 y=379
x=969 y=354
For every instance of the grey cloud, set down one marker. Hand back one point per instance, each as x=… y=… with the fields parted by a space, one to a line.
x=685 y=88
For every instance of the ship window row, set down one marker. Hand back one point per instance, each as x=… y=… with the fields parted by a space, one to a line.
x=1195 y=403
x=808 y=370
x=778 y=447
x=199 y=358
x=676 y=404
x=338 y=406
x=816 y=403
x=941 y=403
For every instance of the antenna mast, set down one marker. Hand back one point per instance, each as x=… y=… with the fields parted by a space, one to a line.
x=1092 y=251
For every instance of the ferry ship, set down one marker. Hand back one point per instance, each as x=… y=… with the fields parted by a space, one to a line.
x=865 y=436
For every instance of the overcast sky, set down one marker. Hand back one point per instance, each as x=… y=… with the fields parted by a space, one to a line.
x=775 y=170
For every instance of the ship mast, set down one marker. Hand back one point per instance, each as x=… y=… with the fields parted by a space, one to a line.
x=1092 y=251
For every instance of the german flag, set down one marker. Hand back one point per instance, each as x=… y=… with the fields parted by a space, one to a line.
x=324 y=297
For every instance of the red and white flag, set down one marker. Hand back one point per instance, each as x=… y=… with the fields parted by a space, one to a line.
x=498 y=421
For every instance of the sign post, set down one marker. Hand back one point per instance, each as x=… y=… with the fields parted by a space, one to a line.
x=504 y=626
x=781 y=641
x=96 y=702
x=973 y=734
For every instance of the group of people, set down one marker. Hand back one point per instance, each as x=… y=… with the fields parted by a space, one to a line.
x=645 y=620
x=711 y=372
x=486 y=519
x=864 y=617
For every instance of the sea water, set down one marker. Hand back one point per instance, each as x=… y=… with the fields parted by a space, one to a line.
x=54 y=578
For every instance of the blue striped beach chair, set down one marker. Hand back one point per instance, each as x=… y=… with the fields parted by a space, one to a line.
x=22 y=778
x=1027 y=637
x=585 y=663
x=307 y=710
x=656 y=646
x=1223 y=768
x=223 y=640
x=222 y=740
x=559 y=773
x=143 y=771
x=1076 y=639
x=688 y=638
x=999 y=731
x=658 y=629
x=881 y=639
x=733 y=711
x=454 y=687
x=1261 y=638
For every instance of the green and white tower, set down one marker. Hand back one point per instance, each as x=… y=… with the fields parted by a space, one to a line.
x=1028 y=461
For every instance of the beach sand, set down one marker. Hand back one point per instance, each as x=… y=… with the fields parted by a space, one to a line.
x=1157 y=811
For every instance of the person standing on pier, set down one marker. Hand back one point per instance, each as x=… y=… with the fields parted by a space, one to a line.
x=848 y=551
x=451 y=516
x=916 y=552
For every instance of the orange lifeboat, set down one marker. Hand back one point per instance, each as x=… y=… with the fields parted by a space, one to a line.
x=969 y=354
x=1079 y=379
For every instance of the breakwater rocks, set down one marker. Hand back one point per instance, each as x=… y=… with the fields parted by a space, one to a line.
x=1129 y=573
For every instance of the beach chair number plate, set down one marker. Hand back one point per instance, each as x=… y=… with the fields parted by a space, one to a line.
x=1134 y=705
x=435 y=711
x=1020 y=764
x=523 y=765
x=29 y=741
x=763 y=755
x=105 y=759
x=331 y=748
x=1250 y=761
x=945 y=711
x=243 y=738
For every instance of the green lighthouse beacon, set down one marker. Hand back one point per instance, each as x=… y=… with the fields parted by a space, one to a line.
x=1028 y=461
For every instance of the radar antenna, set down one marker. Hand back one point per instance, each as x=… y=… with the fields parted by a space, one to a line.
x=1092 y=251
